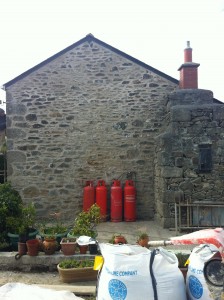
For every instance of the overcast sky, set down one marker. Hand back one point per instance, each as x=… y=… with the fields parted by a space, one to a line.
x=153 y=31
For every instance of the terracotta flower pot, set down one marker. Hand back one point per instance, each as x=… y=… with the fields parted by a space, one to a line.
x=14 y=238
x=143 y=242
x=49 y=245
x=68 y=247
x=32 y=247
x=83 y=249
x=77 y=274
x=58 y=237
x=22 y=248
x=120 y=239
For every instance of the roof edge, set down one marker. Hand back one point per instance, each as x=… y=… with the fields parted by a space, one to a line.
x=137 y=61
x=43 y=63
x=88 y=38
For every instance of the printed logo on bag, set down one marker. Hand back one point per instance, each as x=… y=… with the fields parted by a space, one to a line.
x=117 y=289
x=195 y=287
x=121 y=272
x=195 y=271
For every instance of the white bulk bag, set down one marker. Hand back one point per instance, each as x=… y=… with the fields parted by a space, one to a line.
x=125 y=274
x=17 y=291
x=197 y=287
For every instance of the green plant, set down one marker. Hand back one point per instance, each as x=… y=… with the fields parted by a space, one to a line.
x=22 y=223
x=53 y=226
x=53 y=229
x=118 y=238
x=3 y=147
x=85 y=223
x=10 y=206
x=143 y=239
x=68 y=240
x=143 y=236
x=71 y=263
x=49 y=237
x=4 y=245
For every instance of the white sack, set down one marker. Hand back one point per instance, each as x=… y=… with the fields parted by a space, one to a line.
x=197 y=287
x=15 y=291
x=126 y=275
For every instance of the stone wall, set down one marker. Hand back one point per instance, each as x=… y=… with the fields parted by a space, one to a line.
x=88 y=114
x=194 y=120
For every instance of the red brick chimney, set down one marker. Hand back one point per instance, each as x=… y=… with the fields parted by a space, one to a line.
x=188 y=71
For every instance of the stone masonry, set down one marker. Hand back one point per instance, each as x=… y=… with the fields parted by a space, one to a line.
x=194 y=120
x=92 y=112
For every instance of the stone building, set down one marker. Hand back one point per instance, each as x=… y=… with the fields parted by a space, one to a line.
x=92 y=112
x=3 y=172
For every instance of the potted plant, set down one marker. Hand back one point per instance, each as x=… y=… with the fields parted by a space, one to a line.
x=68 y=245
x=53 y=228
x=33 y=247
x=22 y=223
x=10 y=205
x=143 y=239
x=118 y=239
x=20 y=227
x=85 y=223
x=49 y=244
x=71 y=270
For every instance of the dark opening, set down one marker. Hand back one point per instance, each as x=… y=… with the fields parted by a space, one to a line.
x=205 y=158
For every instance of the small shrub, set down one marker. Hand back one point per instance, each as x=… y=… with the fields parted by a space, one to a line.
x=52 y=230
x=52 y=226
x=85 y=223
x=22 y=223
x=10 y=206
x=71 y=263
x=143 y=236
x=118 y=238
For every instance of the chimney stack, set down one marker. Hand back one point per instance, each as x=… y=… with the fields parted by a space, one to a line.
x=188 y=70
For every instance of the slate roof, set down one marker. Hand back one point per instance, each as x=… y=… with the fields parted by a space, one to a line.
x=90 y=38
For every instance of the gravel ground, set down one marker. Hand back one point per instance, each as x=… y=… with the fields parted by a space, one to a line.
x=41 y=278
x=51 y=278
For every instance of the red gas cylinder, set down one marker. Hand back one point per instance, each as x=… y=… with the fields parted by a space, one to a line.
x=88 y=195
x=101 y=198
x=129 y=201
x=116 y=201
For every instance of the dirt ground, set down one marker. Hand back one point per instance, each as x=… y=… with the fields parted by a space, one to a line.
x=41 y=278
x=49 y=278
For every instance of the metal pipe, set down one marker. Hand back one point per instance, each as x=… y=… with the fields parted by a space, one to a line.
x=159 y=243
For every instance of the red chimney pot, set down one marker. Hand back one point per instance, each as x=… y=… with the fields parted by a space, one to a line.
x=188 y=53
x=188 y=70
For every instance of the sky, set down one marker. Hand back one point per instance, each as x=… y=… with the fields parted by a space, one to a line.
x=153 y=31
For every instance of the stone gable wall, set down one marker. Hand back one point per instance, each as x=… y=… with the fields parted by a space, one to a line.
x=89 y=114
x=192 y=120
